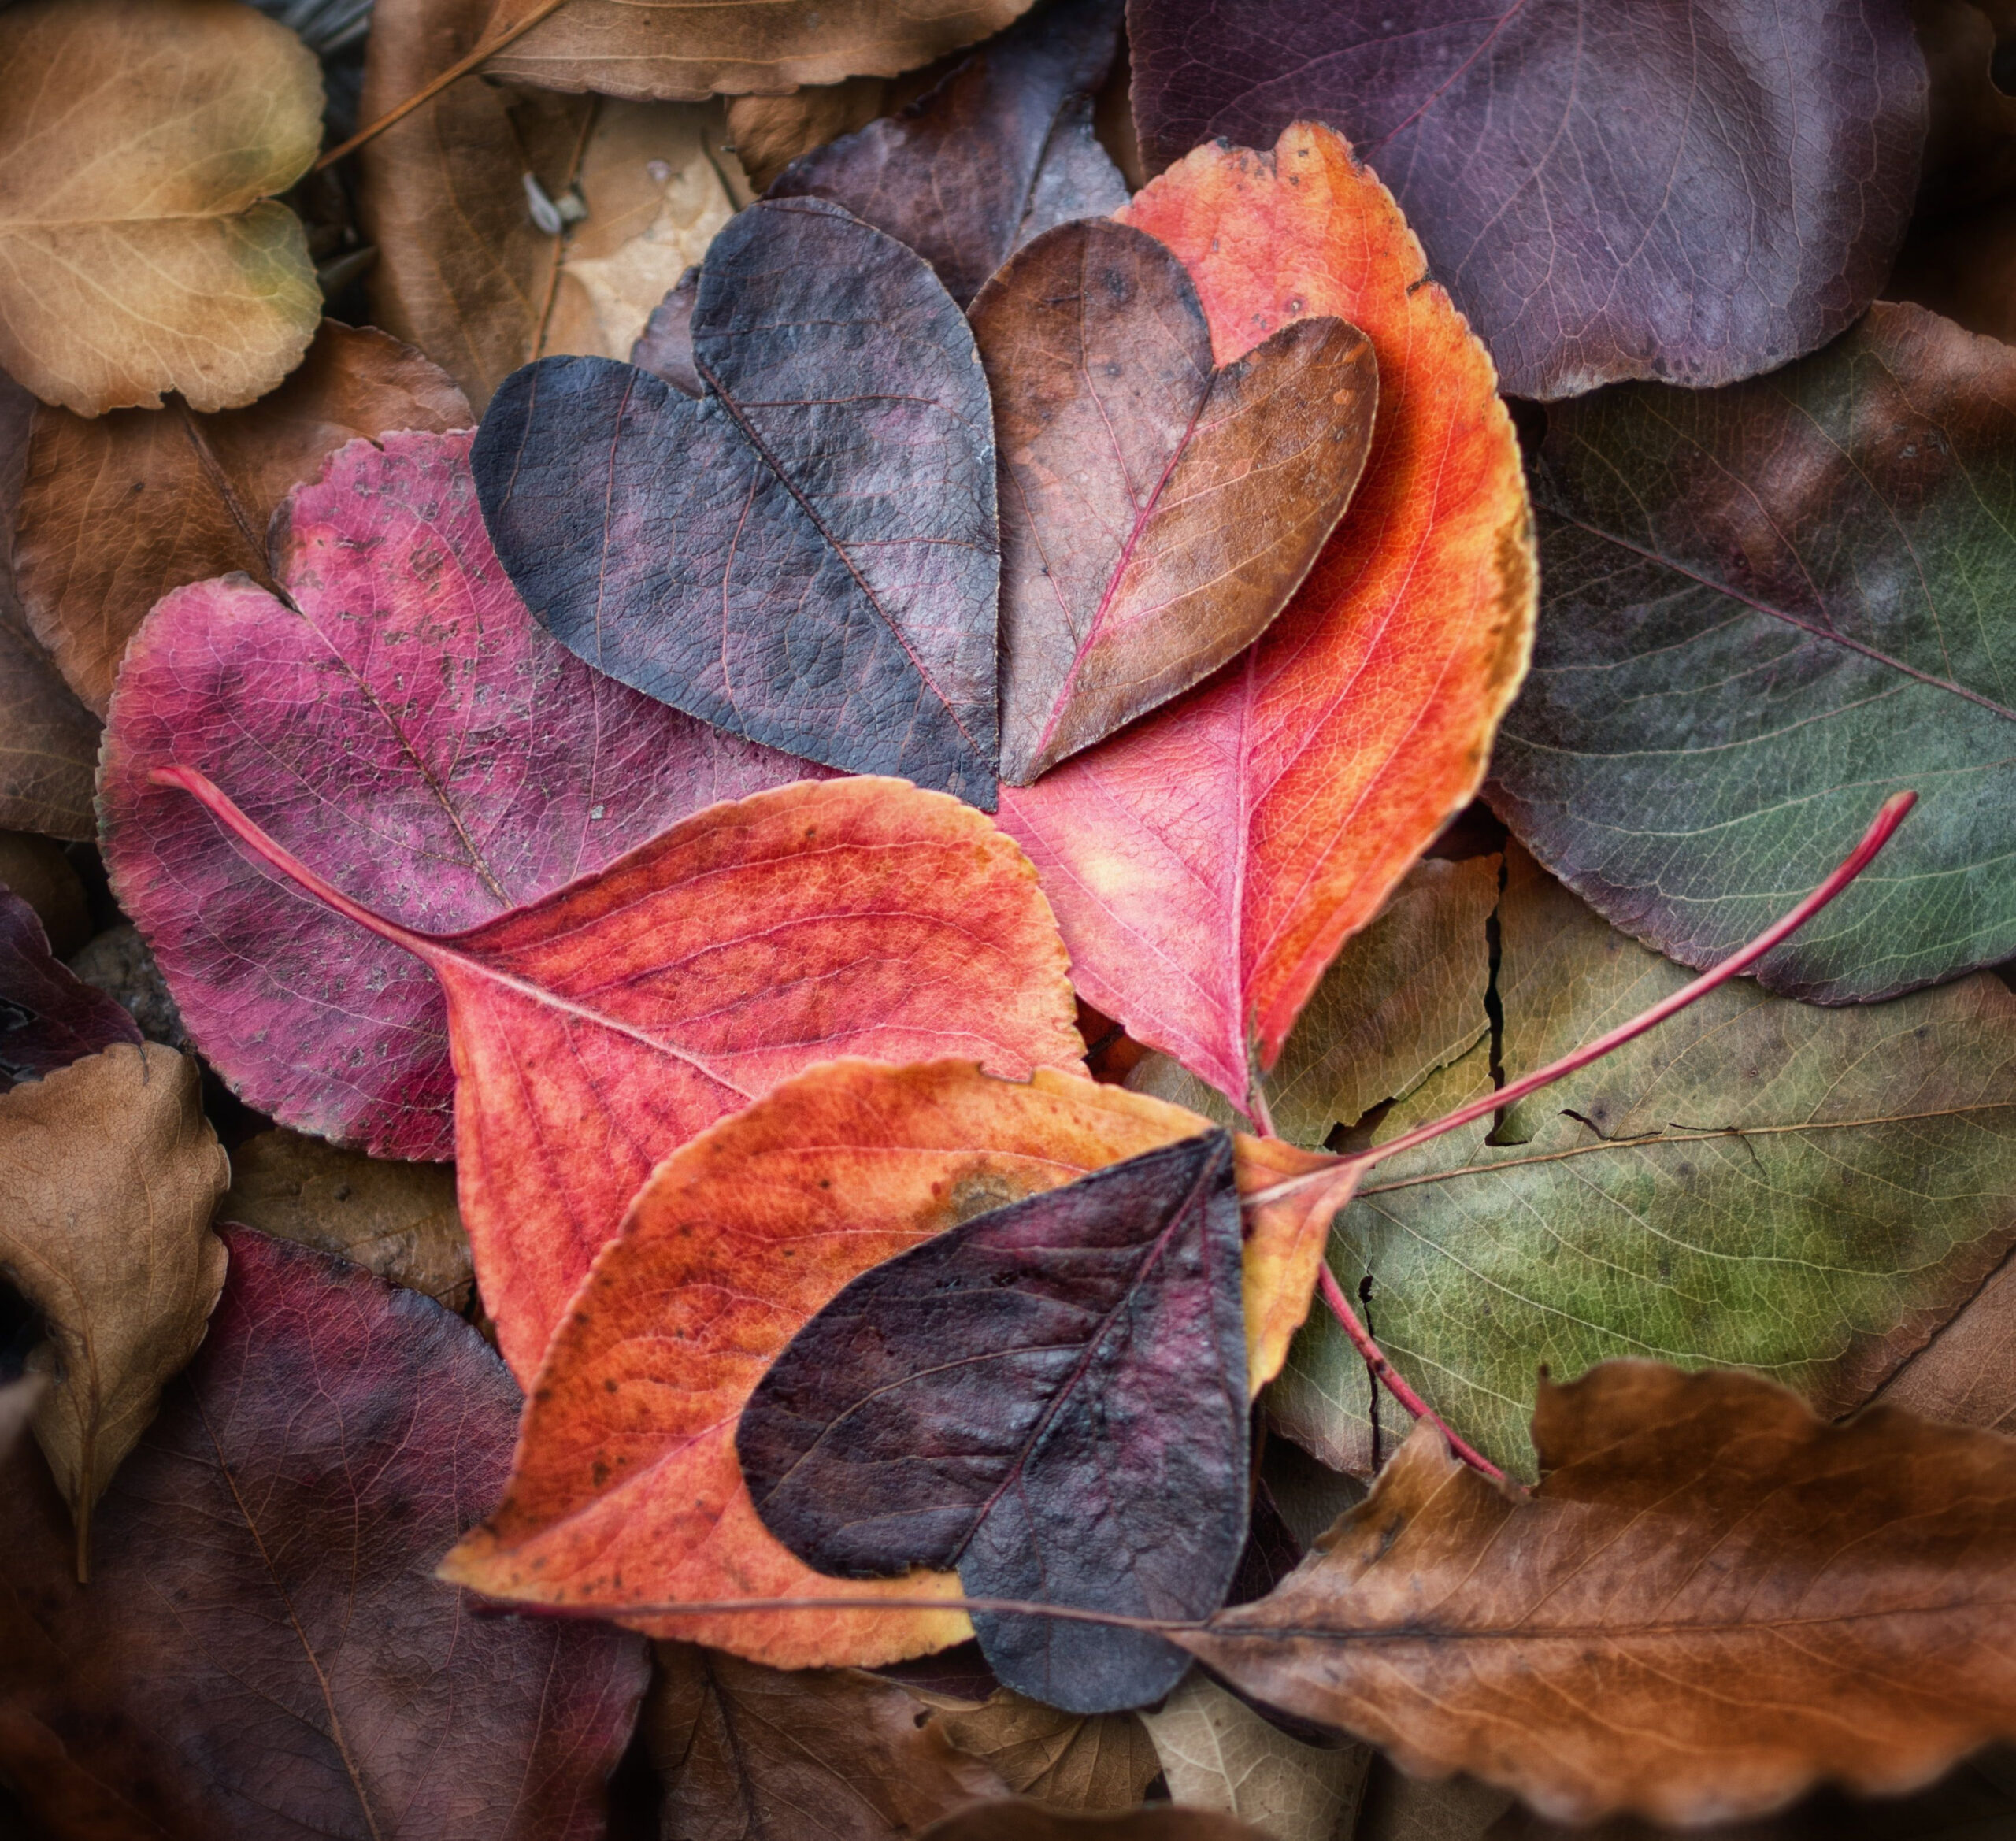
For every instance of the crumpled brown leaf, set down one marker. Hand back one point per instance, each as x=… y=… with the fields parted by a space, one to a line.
x=109 y=1175
x=1086 y=1762
x=681 y=50
x=1714 y=1600
x=140 y=143
x=117 y=510
x=819 y=1754
x=398 y=1219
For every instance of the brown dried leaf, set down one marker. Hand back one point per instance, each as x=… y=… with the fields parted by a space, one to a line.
x=117 y=510
x=397 y=1219
x=682 y=50
x=1018 y=1820
x=140 y=143
x=464 y=270
x=1067 y=1760
x=109 y=1175
x=768 y=132
x=819 y=1754
x=48 y=739
x=1714 y=1601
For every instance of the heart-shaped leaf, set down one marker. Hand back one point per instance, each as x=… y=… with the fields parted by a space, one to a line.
x=1206 y=865
x=152 y=257
x=1714 y=1600
x=400 y=723
x=638 y=1005
x=1157 y=510
x=1698 y=192
x=807 y=554
x=1050 y=1396
x=1765 y=605
x=262 y=1651
x=626 y=1490
x=998 y=151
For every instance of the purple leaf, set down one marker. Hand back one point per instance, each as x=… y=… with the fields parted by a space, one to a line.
x=1694 y=191
x=999 y=151
x=263 y=1650
x=806 y=555
x=48 y=1017
x=1052 y=1397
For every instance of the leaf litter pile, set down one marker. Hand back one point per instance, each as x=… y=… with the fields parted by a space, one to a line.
x=1007 y=921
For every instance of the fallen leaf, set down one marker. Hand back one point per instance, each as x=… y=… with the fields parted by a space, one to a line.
x=768 y=132
x=665 y=348
x=153 y=258
x=1765 y=605
x=110 y=1176
x=1206 y=865
x=48 y=1019
x=48 y=739
x=1966 y=1372
x=1405 y=996
x=638 y=1006
x=401 y=723
x=262 y=1651
x=1157 y=511
x=1534 y=150
x=118 y=510
x=1087 y=1763
x=398 y=1220
x=1218 y=1753
x=1050 y=1396
x=1000 y=149
x=826 y=1755
x=18 y=1399
x=1020 y=1820
x=658 y=183
x=626 y=1490
x=1758 y=1183
x=819 y=570
x=1714 y=1600
x=680 y=51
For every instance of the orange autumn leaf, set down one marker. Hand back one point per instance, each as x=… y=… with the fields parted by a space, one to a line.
x=626 y=1491
x=1206 y=865
x=599 y=1028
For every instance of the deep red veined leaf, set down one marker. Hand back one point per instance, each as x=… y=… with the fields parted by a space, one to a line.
x=48 y=1017
x=599 y=1028
x=261 y=1650
x=1206 y=864
x=401 y=723
x=1157 y=510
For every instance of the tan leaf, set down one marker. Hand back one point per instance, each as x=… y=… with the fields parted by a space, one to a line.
x=1967 y=1371
x=109 y=1175
x=466 y=271
x=117 y=510
x=398 y=1219
x=681 y=50
x=1069 y=1761
x=48 y=739
x=1714 y=1600
x=140 y=143
x=1218 y=1753
x=824 y=1754
x=768 y=132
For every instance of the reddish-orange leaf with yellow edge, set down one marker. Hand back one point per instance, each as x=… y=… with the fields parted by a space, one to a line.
x=597 y=1029
x=626 y=1491
x=1206 y=865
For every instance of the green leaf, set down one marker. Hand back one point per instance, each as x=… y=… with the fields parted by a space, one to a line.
x=1757 y=1182
x=1764 y=607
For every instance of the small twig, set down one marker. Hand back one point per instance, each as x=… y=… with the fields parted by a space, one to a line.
x=718 y=1607
x=1396 y=1382
x=1500 y=1099
x=483 y=53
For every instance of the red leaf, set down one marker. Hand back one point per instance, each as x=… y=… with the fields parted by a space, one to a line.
x=597 y=1030
x=401 y=724
x=1207 y=864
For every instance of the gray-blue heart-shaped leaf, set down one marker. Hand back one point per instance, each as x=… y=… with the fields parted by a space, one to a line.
x=805 y=554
